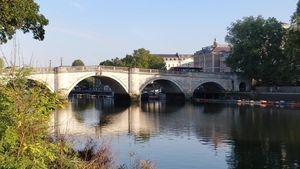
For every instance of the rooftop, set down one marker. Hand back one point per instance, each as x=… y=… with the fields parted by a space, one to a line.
x=174 y=55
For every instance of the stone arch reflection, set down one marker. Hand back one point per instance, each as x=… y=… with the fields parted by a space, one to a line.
x=160 y=107
x=265 y=138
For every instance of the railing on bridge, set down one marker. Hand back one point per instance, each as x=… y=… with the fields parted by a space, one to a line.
x=99 y=68
x=42 y=70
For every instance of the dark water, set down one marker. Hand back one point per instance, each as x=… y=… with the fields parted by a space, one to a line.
x=183 y=136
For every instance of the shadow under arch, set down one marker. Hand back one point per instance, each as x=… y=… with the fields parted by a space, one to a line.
x=118 y=88
x=169 y=87
x=209 y=90
x=40 y=83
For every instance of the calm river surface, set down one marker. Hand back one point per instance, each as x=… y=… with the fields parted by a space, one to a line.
x=185 y=136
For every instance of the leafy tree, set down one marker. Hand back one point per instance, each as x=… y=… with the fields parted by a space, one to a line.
x=140 y=58
x=24 y=126
x=292 y=49
x=78 y=62
x=257 y=48
x=23 y=15
x=114 y=62
x=156 y=62
x=1 y=64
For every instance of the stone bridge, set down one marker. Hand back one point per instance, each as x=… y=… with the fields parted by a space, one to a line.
x=132 y=81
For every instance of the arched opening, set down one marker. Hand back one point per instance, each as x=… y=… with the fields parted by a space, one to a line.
x=100 y=86
x=162 y=90
x=242 y=87
x=209 y=90
x=29 y=84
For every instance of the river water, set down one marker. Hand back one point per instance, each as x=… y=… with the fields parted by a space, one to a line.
x=185 y=136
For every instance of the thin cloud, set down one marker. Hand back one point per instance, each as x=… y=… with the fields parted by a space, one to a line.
x=77 y=5
x=77 y=34
x=89 y=37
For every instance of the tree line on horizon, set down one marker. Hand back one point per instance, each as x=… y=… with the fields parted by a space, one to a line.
x=141 y=58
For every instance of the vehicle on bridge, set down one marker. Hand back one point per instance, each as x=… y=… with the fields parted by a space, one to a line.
x=186 y=69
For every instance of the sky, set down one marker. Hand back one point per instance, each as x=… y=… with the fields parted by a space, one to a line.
x=96 y=30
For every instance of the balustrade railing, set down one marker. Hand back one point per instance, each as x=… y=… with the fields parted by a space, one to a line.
x=98 y=68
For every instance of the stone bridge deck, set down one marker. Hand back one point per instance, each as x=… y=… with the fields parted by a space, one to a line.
x=132 y=81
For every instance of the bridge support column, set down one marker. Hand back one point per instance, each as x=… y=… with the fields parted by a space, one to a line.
x=135 y=98
x=134 y=85
x=62 y=94
x=60 y=81
x=188 y=96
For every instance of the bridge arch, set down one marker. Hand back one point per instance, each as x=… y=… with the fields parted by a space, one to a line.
x=116 y=85
x=171 y=88
x=213 y=83
x=42 y=82
x=209 y=89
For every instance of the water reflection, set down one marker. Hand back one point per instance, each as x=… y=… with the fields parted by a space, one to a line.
x=266 y=138
x=188 y=136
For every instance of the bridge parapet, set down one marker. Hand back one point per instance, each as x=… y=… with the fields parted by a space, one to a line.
x=97 y=68
x=42 y=70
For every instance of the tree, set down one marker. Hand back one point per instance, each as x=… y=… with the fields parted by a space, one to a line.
x=156 y=62
x=257 y=48
x=292 y=49
x=1 y=64
x=21 y=15
x=78 y=62
x=140 y=58
x=24 y=126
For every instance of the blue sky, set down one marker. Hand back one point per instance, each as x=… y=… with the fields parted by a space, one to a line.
x=96 y=30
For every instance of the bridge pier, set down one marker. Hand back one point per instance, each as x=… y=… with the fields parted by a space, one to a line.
x=62 y=94
x=188 y=96
x=135 y=98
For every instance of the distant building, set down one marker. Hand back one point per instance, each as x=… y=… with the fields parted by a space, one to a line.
x=177 y=60
x=212 y=58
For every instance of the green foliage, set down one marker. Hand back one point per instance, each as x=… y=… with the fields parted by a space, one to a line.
x=1 y=64
x=23 y=15
x=24 y=126
x=292 y=49
x=78 y=62
x=140 y=58
x=114 y=62
x=257 y=48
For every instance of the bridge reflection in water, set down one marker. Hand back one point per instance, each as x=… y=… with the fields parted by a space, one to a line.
x=185 y=135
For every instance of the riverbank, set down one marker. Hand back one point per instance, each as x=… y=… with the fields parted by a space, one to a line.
x=255 y=99
x=272 y=96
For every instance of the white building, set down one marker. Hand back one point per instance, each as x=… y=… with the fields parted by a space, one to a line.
x=177 y=60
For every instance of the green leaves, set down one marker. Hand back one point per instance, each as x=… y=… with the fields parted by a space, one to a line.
x=77 y=62
x=266 y=50
x=292 y=49
x=23 y=15
x=1 y=64
x=256 y=48
x=140 y=58
x=24 y=126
